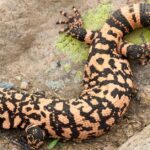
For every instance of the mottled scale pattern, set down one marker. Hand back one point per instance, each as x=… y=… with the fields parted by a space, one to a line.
x=108 y=84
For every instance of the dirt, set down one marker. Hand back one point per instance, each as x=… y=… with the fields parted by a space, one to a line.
x=28 y=52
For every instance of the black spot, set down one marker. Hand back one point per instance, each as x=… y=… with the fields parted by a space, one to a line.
x=104 y=126
x=92 y=134
x=133 y=17
x=93 y=69
x=110 y=32
x=86 y=129
x=76 y=103
x=36 y=107
x=28 y=109
x=58 y=64
x=35 y=103
x=24 y=96
x=100 y=61
x=131 y=10
x=115 y=92
x=86 y=74
x=1 y=122
x=112 y=63
x=97 y=90
x=105 y=92
x=43 y=114
x=24 y=103
x=35 y=116
x=124 y=106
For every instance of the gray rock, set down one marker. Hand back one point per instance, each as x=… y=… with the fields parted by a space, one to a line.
x=140 y=141
x=24 y=85
x=55 y=84
x=6 y=85
x=18 y=78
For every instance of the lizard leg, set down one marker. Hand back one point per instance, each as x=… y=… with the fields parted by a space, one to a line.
x=74 y=27
x=35 y=136
x=133 y=51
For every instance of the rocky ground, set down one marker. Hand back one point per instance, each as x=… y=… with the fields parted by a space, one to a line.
x=34 y=56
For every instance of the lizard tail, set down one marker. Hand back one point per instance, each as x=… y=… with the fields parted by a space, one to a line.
x=130 y=17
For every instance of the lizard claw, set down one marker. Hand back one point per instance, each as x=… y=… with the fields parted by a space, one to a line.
x=72 y=21
x=146 y=57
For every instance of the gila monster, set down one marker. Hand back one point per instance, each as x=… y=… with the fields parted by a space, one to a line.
x=108 y=84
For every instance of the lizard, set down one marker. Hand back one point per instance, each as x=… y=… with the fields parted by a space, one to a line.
x=108 y=84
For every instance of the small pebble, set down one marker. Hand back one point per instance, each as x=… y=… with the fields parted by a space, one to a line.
x=24 y=85
x=18 y=78
x=14 y=148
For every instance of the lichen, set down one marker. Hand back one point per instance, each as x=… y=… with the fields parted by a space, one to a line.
x=54 y=84
x=67 y=67
x=78 y=77
x=139 y=36
x=93 y=19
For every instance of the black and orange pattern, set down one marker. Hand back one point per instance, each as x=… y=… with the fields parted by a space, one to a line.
x=108 y=83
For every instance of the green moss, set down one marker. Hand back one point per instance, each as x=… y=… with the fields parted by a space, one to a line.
x=78 y=76
x=93 y=19
x=76 y=50
x=67 y=67
x=138 y=35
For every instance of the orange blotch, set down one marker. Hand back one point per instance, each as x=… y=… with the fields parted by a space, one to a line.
x=106 y=112
x=94 y=102
x=10 y=105
x=59 y=106
x=110 y=77
x=6 y=123
x=129 y=82
x=18 y=96
x=67 y=132
x=17 y=121
x=110 y=121
x=120 y=79
x=86 y=108
x=88 y=38
x=102 y=46
x=93 y=83
x=95 y=115
x=105 y=104
x=63 y=119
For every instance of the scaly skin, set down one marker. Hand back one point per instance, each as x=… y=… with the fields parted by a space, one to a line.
x=108 y=83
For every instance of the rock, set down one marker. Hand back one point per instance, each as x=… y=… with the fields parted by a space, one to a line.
x=18 y=78
x=6 y=85
x=24 y=85
x=140 y=141
x=55 y=85
x=109 y=147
